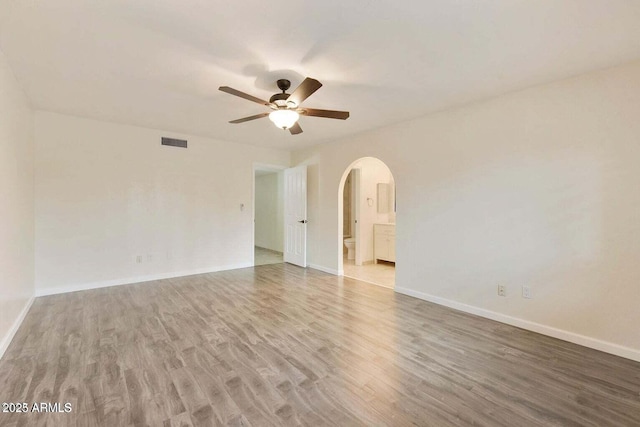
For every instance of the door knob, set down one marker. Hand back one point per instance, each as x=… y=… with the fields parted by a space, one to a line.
x=303 y=221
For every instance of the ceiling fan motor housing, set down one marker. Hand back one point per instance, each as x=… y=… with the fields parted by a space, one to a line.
x=280 y=99
x=283 y=84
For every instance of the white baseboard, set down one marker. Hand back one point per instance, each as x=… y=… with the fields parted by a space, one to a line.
x=14 y=328
x=607 y=347
x=131 y=280
x=325 y=269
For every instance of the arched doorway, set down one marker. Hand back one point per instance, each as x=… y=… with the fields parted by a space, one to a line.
x=366 y=222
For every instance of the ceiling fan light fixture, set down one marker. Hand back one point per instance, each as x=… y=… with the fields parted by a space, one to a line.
x=284 y=119
x=285 y=112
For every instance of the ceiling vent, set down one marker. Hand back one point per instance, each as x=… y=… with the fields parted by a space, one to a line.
x=182 y=143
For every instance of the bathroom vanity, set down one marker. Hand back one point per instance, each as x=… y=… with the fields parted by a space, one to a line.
x=384 y=242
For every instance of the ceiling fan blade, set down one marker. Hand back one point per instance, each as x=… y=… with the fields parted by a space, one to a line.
x=329 y=114
x=305 y=90
x=295 y=129
x=246 y=119
x=236 y=92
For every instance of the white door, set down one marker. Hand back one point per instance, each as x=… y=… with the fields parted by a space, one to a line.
x=295 y=216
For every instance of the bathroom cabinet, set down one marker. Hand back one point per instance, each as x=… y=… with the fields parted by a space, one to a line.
x=384 y=242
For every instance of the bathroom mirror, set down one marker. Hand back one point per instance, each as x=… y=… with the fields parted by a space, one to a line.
x=384 y=191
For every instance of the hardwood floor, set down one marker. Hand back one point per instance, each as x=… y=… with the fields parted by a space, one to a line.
x=280 y=345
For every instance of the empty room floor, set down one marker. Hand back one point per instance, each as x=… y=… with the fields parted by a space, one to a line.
x=382 y=274
x=264 y=256
x=282 y=345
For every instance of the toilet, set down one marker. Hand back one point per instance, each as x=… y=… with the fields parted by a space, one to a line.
x=350 y=244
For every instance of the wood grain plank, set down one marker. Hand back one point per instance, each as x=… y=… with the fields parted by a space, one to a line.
x=281 y=345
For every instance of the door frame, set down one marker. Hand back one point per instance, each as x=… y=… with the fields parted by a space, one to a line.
x=257 y=166
x=340 y=192
x=357 y=195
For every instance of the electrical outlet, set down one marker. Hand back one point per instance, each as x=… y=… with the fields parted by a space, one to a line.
x=502 y=290
x=139 y=259
x=526 y=292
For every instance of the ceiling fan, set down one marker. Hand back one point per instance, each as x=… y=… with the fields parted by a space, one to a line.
x=286 y=107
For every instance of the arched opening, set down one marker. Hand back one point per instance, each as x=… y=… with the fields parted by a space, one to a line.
x=366 y=222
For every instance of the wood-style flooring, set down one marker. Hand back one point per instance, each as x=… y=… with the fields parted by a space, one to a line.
x=281 y=345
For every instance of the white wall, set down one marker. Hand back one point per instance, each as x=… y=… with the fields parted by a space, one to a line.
x=16 y=205
x=269 y=211
x=107 y=193
x=372 y=172
x=538 y=188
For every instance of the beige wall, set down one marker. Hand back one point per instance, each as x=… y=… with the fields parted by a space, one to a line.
x=108 y=193
x=538 y=188
x=269 y=211
x=16 y=205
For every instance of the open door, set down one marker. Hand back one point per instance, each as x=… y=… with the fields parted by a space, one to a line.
x=295 y=216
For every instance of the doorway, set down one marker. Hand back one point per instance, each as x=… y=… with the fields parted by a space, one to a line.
x=268 y=215
x=367 y=222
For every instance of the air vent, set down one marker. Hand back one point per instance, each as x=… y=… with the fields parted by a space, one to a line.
x=182 y=143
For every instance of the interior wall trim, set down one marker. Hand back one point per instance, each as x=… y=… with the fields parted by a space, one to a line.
x=16 y=325
x=138 y=279
x=583 y=340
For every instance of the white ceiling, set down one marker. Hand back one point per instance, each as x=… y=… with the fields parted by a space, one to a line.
x=159 y=63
